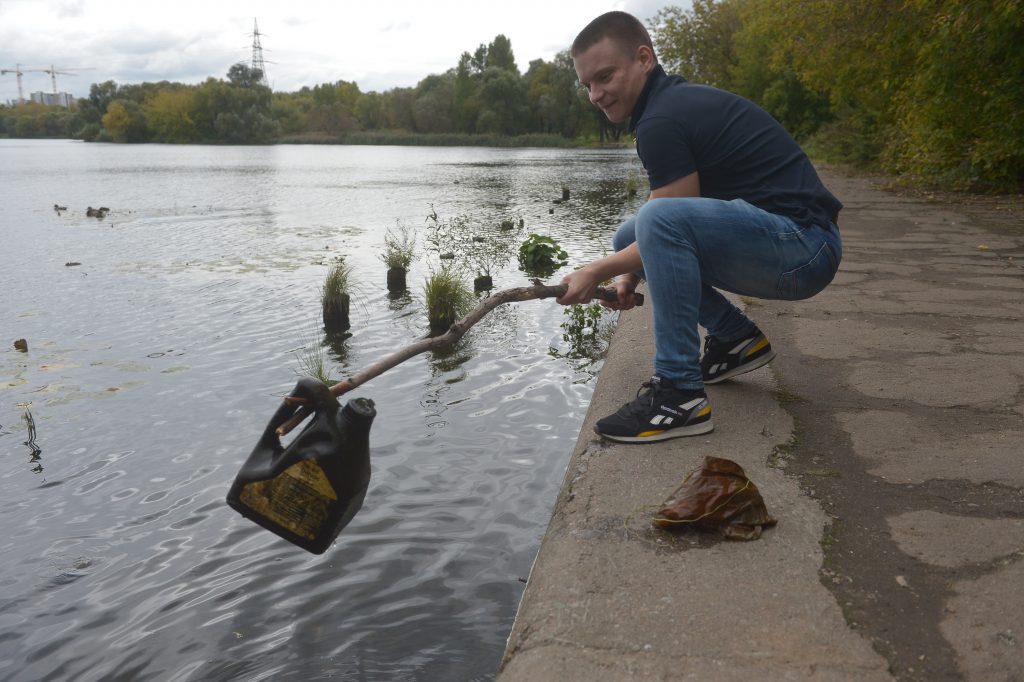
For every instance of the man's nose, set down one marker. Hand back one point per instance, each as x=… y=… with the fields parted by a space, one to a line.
x=595 y=94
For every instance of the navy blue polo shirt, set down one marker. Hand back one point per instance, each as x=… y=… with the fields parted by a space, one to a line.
x=736 y=147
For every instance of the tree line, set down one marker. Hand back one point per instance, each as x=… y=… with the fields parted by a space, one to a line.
x=931 y=90
x=483 y=95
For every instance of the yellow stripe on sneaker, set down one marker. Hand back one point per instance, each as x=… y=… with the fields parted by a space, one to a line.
x=757 y=346
x=646 y=434
x=705 y=411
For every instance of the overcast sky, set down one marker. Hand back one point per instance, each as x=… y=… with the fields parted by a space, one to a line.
x=379 y=45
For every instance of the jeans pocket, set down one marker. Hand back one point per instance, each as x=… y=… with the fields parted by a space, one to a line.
x=807 y=280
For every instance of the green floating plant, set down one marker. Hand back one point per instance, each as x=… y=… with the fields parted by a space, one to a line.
x=541 y=256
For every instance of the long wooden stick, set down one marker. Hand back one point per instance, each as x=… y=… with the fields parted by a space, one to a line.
x=454 y=333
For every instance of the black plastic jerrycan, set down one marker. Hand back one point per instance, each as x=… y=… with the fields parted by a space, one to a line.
x=307 y=492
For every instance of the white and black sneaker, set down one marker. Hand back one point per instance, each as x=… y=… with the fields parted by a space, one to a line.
x=659 y=412
x=725 y=359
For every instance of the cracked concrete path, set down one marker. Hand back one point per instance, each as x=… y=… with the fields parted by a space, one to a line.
x=888 y=441
x=908 y=375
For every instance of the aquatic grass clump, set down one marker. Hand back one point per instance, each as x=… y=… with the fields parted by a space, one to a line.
x=335 y=298
x=632 y=183
x=312 y=359
x=399 y=251
x=448 y=298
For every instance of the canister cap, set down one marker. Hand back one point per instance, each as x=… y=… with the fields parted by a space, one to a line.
x=361 y=407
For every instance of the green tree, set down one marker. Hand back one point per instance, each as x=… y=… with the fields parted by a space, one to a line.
x=556 y=102
x=960 y=115
x=168 y=116
x=698 y=43
x=502 y=102
x=478 y=61
x=234 y=113
x=290 y=110
x=398 y=106
x=370 y=111
x=26 y=127
x=125 y=121
x=101 y=95
x=858 y=53
x=499 y=55
x=466 y=103
x=433 y=109
x=334 y=119
x=540 y=96
x=244 y=76
x=772 y=82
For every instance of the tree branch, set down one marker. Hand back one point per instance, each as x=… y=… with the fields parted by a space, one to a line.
x=449 y=338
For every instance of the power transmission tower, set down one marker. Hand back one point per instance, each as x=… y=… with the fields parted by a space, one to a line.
x=257 y=54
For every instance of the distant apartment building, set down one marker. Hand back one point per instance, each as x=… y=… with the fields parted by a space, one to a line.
x=60 y=99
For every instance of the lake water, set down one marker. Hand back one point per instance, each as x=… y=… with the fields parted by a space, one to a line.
x=154 y=364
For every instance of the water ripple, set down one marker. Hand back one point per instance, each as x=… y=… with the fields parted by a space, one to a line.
x=155 y=365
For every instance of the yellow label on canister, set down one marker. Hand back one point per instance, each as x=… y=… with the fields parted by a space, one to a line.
x=298 y=499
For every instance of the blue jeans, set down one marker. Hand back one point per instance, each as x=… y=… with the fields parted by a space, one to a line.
x=693 y=246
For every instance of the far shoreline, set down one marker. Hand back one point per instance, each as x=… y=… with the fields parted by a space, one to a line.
x=398 y=139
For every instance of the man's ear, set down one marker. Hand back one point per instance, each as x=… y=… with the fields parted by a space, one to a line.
x=645 y=56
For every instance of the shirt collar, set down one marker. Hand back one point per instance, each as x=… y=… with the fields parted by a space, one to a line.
x=656 y=74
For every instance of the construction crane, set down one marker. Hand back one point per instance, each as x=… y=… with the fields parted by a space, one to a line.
x=53 y=74
x=18 y=71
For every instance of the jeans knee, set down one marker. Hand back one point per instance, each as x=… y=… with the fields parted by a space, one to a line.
x=625 y=235
x=662 y=218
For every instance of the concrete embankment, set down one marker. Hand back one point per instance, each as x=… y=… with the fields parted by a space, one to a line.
x=887 y=440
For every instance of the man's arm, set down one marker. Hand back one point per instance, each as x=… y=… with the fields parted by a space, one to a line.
x=583 y=282
x=686 y=186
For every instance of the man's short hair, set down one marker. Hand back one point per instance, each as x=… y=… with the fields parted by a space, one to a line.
x=623 y=28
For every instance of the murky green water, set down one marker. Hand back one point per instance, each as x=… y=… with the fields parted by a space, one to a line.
x=154 y=364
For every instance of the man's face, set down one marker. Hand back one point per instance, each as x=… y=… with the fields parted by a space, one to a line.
x=613 y=77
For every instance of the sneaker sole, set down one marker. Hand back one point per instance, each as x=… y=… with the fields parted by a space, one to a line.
x=743 y=369
x=680 y=432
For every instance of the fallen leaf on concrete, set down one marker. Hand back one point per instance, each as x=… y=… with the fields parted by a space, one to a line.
x=717 y=496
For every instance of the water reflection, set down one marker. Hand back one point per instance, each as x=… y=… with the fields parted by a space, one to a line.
x=35 y=453
x=399 y=300
x=338 y=343
x=446 y=359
